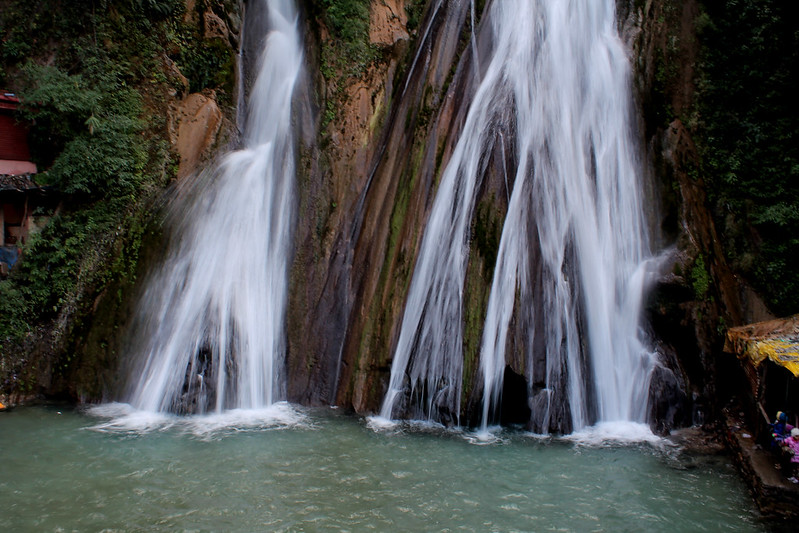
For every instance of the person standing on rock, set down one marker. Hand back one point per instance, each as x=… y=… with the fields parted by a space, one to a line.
x=781 y=429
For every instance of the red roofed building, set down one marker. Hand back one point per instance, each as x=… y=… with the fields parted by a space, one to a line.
x=19 y=194
x=14 y=153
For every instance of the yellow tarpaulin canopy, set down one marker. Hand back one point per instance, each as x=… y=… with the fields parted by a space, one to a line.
x=776 y=340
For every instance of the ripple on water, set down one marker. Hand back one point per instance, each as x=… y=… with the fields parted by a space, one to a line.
x=342 y=476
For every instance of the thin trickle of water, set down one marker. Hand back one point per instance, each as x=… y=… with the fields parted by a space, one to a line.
x=420 y=46
x=212 y=320
x=240 y=90
x=574 y=252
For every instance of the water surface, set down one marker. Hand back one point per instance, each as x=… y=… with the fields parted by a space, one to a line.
x=323 y=470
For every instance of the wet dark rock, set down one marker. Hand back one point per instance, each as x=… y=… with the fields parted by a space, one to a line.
x=514 y=407
x=668 y=401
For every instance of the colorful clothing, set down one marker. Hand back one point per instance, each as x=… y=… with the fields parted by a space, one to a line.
x=780 y=429
x=792 y=444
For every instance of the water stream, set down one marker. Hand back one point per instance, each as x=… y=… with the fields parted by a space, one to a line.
x=329 y=472
x=573 y=256
x=211 y=324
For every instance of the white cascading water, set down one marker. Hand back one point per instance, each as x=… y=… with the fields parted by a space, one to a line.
x=214 y=316
x=559 y=67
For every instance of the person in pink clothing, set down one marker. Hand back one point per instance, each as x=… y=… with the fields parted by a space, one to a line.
x=791 y=446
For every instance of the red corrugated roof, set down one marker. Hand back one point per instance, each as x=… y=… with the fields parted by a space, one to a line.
x=8 y=100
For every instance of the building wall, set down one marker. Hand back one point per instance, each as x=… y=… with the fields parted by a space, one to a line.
x=13 y=139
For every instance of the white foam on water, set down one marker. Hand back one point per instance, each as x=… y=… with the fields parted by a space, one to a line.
x=485 y=436
x=281 y=415
x=618 y=432
x=537 y=436
x=379 y=423
x=125 y=419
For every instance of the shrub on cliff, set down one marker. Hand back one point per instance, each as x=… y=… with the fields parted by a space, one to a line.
x=87 y=134
x=96 y=79
x=750 y=141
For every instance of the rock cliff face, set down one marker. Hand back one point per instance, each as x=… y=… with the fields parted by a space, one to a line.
x=370 y=186
x=373 y=146
x=693 y=303
x=371 y=176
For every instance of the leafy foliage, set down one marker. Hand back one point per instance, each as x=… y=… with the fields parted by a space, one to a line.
x=94 y=79
x=750 y=139
x=52 y=263
x=349 y=23
x=348 y=53
x=162 y=8
x=208 y=66
x=95 y=127
x=700 y=278
x=415 y=10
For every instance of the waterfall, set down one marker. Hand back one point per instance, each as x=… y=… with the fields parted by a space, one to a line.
x=573 y=253
x=211 y=321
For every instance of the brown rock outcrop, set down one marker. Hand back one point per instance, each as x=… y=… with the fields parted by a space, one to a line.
x=214 y=26
x=196 y=123
x=387 y=21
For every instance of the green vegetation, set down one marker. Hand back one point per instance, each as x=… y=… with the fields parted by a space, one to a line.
x=749 y=139
x=348 y=52
x=667 y=58
x=348 y=22
x=95 y=78
x=486 y=234
x=56 y=261
x=210 y=64
x=414 y=10
x=93 y=123
x=700 y=278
